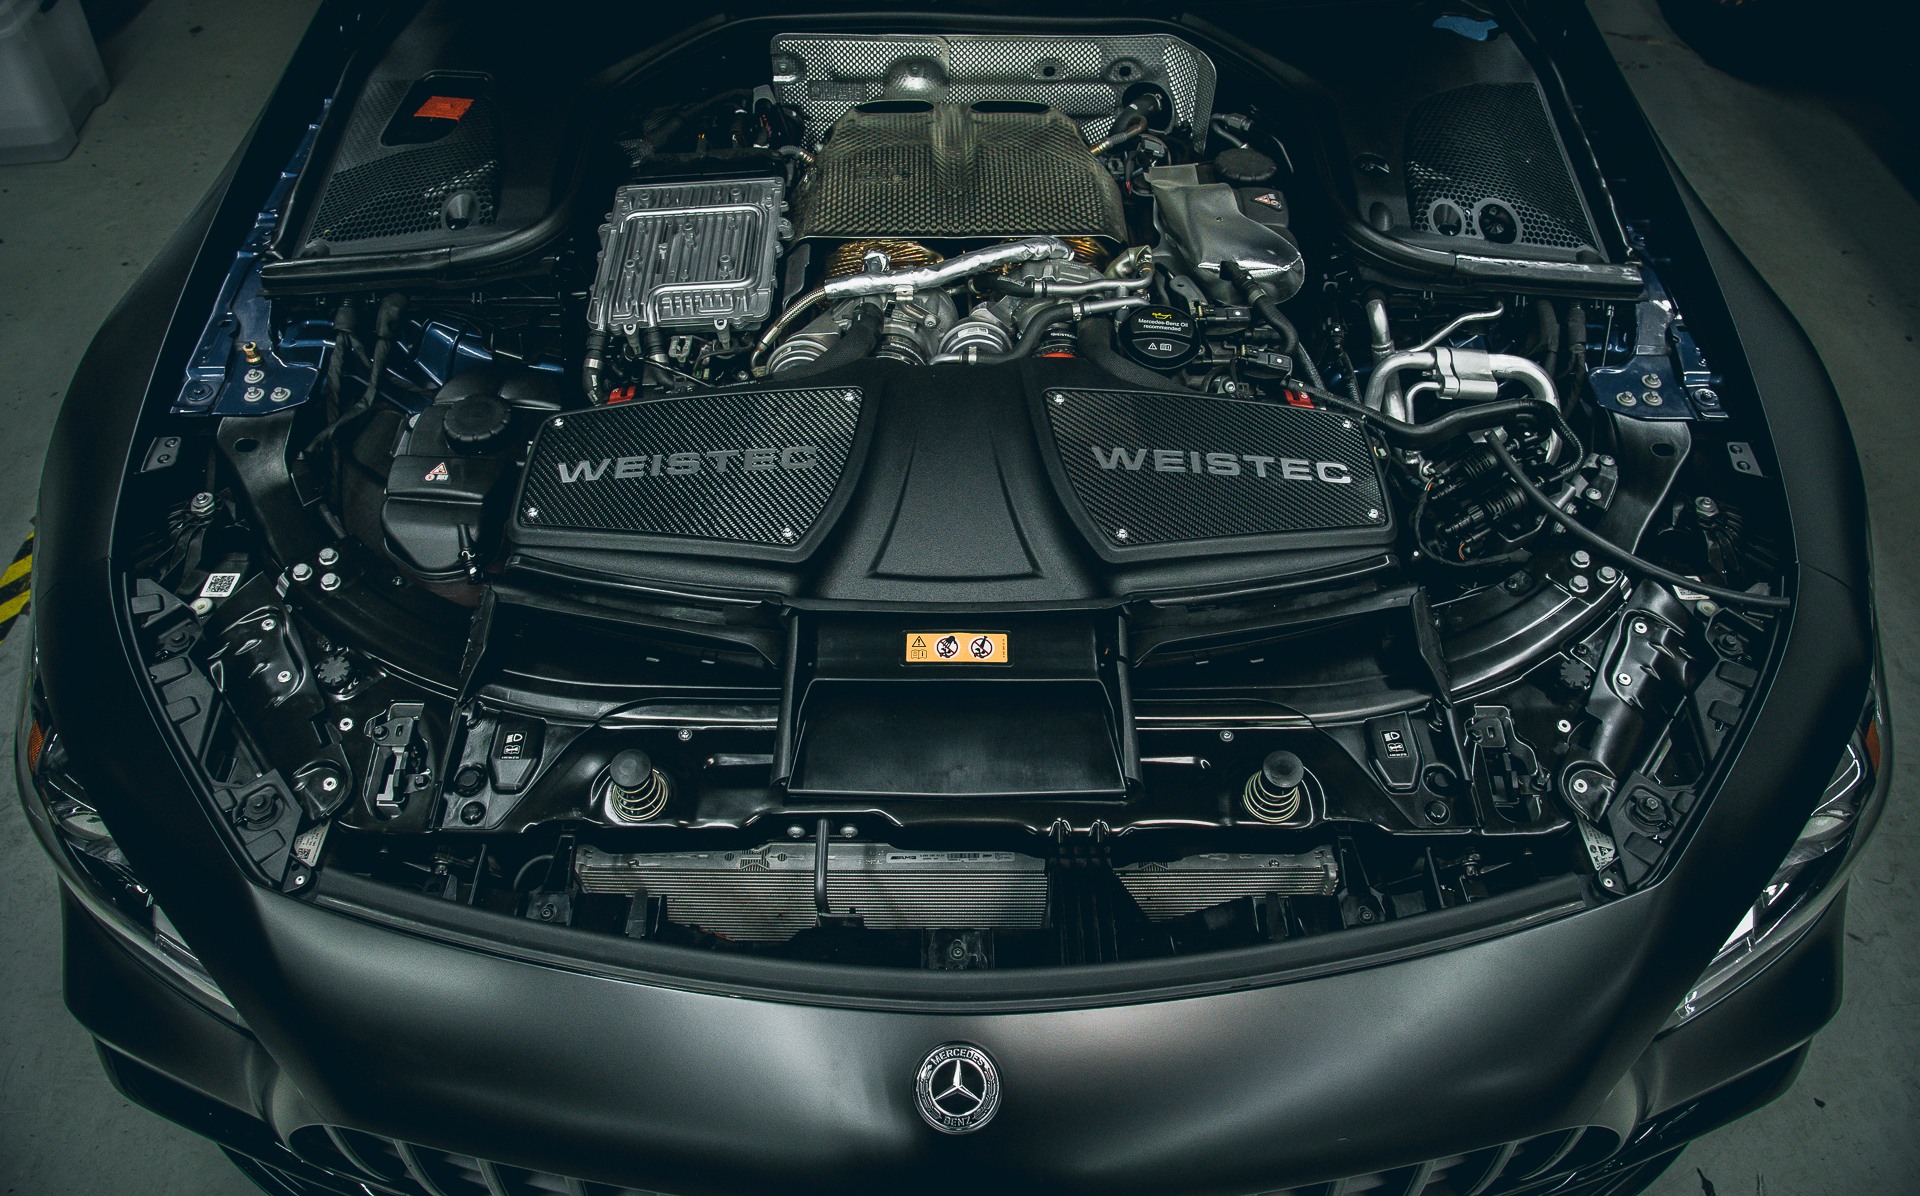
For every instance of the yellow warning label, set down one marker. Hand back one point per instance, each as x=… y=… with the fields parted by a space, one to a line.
x=956 y=647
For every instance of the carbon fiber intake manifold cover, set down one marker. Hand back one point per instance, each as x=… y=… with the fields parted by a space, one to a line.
x=757 y=469
x=992 y=169
x=1156 y=476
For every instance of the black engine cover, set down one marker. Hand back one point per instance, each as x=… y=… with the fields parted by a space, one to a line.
x=1032 y=483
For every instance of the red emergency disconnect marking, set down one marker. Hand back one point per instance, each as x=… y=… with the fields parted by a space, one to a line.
x=445 y=107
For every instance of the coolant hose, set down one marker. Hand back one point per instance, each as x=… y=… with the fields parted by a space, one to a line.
x=1264 y=303
x=861 y=338
x=1612 y=551
x=593 y=368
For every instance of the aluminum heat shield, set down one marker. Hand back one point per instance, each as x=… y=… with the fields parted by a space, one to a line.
x=944 y=170
x=1088 y=77
x=767 y=894
x=687 y=255
x=1183 y=886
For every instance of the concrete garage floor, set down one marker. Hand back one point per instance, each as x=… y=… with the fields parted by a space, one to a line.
x=1797 y=185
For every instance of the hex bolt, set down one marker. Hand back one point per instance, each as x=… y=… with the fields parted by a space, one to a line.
x=202 y=505
x=1580 y=558
x=302 y=571
x=1706 y=397
x=546 y=912
x=1366 y=915
x=329 y=783
x=1608 y=574
x=328 y=556
x=1578 y=583
x=329 y=581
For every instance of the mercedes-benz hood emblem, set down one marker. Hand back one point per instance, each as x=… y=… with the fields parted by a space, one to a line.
x=958 y=1088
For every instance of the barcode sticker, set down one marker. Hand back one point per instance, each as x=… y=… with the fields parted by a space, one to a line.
x=219 y=585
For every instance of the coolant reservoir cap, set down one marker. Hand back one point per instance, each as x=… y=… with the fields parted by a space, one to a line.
x=1244 y=166
x=477 y=422
x=1160 y=338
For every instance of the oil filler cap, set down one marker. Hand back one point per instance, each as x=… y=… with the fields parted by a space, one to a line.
x=1160 y=338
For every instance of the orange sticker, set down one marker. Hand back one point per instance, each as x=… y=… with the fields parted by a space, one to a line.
x=445 y=107
x=956 y=647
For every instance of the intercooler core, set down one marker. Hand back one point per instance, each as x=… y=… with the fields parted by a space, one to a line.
x=991 y=169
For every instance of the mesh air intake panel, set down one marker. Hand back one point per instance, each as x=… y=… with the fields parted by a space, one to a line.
x=1488 y=152
x=378 y=191
x=912 y=169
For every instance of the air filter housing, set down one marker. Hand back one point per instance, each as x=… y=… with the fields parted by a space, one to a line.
x=991 y=169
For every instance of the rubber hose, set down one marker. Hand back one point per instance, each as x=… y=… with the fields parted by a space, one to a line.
x=860 y=339
x=1264 y=303
x=1096 y=345
x=1609 y=549
x=1030 y=340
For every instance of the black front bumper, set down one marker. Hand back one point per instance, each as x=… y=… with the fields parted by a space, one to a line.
x=563 y=1074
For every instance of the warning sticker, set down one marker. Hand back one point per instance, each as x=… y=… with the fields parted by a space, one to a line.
x=444 y=107
x=956 y=647
x=438 y=473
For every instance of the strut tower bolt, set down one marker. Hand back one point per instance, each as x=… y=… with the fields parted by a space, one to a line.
x=1578 y=583
x=1580 y=558
x=328 y=556
x=329 y=581
x=302 y=571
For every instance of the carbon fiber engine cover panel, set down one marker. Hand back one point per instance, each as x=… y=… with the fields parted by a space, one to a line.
x=752 y=468
x=1163 y=475
x=940 y=170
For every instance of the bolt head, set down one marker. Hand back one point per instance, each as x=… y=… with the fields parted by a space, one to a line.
x=284 y=676
x=203 y=606
x=1650 y=381
x=329 y=784
x=1605 y=460
x=1566 y=726
x=1226 y=737
x=849 y=831
x=1578 y=583
x=796 y=832
x=1593 y=494
x=1625 y=678
x=1437 y=811
x=473 y=812
x=1608 y=574
x=1640 y=627
x=345 y=724
x=684 y=735
x=1707 y=607
x=1580 y=785
x=1580 y=558
x=1120 y=533
x=329 y=581
x=1627 y=398
x=1607 y=881
x=302 y=571
x=253 y=394
x=328 y=556
x=267 y=624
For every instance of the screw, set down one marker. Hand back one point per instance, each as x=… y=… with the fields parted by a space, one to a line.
x=1580 y=558
x=684 y=734
x=267 y=624
x=1373 y=513
x=1707 y=607
x=284 y=676
x=329 y=783
x=1650 y=381
x=956 y=950
x=202 y=505
x=1706 y=398
x=1226 y=737
x=202 y=606
x=473 y=812
x=1605 y=460
x=546 y=912
x=533 y=512
x=1626 y=399
x=1625 y=678
x=1651 y=399
x=787 y=534
x=252 y=376
x=1346 y=423
x=329 y=582
x=1436 y=811
x=1578 y=584
x=853 y=396
x=345 y=724
x=1607 y=881
x=1608 y=574
x=1566 y=726
x=1592 y=494
x=328 y=556
x=849 y=831
x=1366 y=915
x=254 y=394
x=1580 y=785
x=1640 y=627
x=1119 y=533
x=1650 y=805
x=302 y=571
x=280 y=394
x=796 y=832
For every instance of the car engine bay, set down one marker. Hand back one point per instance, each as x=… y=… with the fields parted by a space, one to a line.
x=936 y=497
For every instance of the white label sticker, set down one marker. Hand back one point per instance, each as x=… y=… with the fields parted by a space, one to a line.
x=219 y=585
